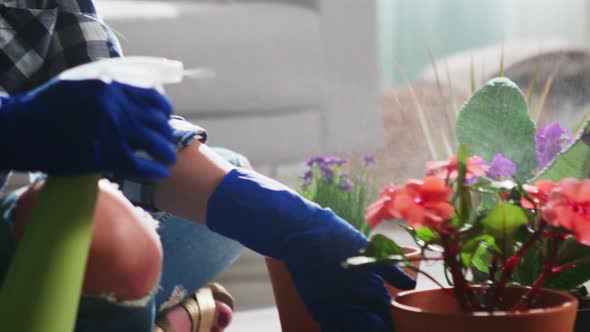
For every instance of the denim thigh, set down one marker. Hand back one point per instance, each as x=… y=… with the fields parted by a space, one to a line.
x=193 y=254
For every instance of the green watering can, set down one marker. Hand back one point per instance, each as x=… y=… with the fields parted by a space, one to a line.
x=41 y=291
x=42 y=288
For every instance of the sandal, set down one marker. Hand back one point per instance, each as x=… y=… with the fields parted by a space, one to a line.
x=201 y=308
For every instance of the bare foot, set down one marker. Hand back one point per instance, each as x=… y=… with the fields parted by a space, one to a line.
x=179 y=319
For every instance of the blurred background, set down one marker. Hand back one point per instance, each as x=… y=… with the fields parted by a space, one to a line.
x=407 y=28
x=297 y=78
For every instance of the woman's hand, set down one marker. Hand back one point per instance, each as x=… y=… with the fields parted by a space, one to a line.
x=87 y=126
x=313 y=242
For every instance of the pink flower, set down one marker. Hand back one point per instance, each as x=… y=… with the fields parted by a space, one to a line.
x=448 y=169
x=539 y=192
x=419 y=203
x=568 y=206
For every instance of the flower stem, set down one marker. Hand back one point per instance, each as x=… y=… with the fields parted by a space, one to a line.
x=547 y=271
x=427 y=275
x=558 y=269
x=427 y=259
x=522 y=303
x=463 y=293
x=511 y=263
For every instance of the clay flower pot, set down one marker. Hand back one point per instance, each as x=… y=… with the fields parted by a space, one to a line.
x=414 y=254
x=583 y=316
x=292 y=313
x=435 y=310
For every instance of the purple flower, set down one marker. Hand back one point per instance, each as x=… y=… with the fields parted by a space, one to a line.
x=345 y=183
x=550 y=141
x=315 y=160
x=307 y=176
x=327 y=173
x=326 y=160
x=307 y=179
x=333 y=160
x=501 y=167
x=368 y=160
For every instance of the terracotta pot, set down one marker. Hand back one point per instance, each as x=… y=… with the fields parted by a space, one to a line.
x=583 y=316
x=411 y=253
x=435 y=310
x=292 y=313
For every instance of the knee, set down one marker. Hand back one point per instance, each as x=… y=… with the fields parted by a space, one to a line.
x=244 y=162
x=125 y=257
x=126 y=254
x=233 y=157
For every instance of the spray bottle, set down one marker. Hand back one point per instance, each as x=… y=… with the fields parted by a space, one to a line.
x=139 y=71
x=42 y=288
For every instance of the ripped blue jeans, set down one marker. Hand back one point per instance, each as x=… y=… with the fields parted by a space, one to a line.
x=193 y=256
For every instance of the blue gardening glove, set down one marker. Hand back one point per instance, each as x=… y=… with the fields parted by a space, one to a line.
x=87 y=126
x=273 y=220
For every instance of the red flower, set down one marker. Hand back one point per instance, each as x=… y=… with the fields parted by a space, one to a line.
x=419 y=203
x=424 y=203
x=568 y=206
x=381 y=209
x=539 y=192
x=448 y=169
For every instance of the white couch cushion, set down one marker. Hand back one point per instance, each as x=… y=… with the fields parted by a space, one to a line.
x=266 y=56
x=267 y=138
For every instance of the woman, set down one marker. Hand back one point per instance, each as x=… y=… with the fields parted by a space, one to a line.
x=128 y=286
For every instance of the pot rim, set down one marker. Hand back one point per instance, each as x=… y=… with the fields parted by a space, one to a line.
x=569 y=301
x=413 y=251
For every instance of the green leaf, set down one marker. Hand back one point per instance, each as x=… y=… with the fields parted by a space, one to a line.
x=574 y=276
x=482 y=258
x=530 y=266
x=381 y=247
x=496 y=120
x=359 y=261
x=364 y=261
x=427 y=235
x=462 y=154
x=572 y=162
x=483 y=184
x=464 y=207
x=504 y=220
x=423 y=236
x=469 y=249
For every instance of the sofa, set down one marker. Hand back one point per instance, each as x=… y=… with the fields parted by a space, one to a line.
x=293 y=78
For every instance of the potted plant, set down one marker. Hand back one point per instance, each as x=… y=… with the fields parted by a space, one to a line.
x=510 y=216
x=347 y=189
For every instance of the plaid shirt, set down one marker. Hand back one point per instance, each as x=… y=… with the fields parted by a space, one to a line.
x=41 y=38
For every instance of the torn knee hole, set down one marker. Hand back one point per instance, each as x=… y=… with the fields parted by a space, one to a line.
x=137 y=303
x=177 y=295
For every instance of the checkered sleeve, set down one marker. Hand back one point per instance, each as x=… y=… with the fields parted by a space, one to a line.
x=80 y=37
x=24 y=41
x=41 y=38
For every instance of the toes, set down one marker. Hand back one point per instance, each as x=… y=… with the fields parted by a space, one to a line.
x=223 y=316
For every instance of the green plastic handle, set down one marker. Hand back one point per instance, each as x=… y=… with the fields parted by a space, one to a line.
x=41 y=291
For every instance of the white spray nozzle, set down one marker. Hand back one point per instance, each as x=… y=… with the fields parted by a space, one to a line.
x=199 y=73
x=140 y=71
